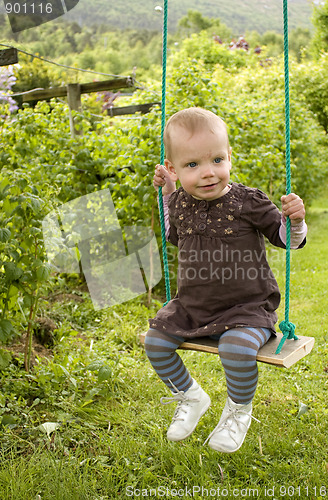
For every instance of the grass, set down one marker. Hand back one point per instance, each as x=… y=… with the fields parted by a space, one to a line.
x=111 y=442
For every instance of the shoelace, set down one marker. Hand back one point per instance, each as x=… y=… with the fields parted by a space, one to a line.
x=181 y=398
x=231 y=413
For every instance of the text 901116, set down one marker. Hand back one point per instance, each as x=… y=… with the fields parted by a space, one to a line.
x=25 y=14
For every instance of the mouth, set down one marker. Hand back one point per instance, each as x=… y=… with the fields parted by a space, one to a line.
x=208 y=187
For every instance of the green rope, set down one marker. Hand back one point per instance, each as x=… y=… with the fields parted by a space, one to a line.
x=160 y=194
x=287 y=328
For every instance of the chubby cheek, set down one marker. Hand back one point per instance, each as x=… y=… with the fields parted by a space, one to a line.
x=226 y=173
x=189 y=180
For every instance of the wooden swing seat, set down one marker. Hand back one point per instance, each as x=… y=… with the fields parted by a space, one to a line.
x=292 y=350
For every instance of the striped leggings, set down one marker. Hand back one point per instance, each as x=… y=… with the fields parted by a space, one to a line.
x=237 y=348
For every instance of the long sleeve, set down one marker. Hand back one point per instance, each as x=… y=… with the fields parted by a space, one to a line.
x=297 y=233
x=266 y=217
x=166 y=215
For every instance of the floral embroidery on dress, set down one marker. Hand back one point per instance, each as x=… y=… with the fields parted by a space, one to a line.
x=221 y=221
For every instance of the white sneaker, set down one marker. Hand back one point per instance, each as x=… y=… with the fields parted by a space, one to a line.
x=229 y=434
x=192 y=404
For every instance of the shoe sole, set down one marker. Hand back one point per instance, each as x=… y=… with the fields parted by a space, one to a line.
x=192 y=430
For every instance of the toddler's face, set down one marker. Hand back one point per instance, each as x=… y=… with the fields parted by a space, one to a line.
x=201 y=162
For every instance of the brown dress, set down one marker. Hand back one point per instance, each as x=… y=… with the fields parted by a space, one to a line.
x=224 y=279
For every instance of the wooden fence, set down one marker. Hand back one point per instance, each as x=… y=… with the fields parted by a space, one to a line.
x=73 y=93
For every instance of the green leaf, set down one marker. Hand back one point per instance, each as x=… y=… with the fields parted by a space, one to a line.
x=12 y=272
x=14 y=254
x=8 y=420
x=4 y=234
x=36 y=205
x=28 y=300
x=104 y=373
x=5 y=358
x=95 y=365
x=22 y=183
x=5 y=329
x=43 y=272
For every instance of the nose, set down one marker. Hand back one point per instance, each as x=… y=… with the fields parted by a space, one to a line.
x=207 y=170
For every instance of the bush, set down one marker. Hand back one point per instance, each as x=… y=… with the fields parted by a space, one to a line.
x=311 y=84
x=23 y=269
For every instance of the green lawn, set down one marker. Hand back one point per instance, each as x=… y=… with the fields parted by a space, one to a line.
x=111 y=442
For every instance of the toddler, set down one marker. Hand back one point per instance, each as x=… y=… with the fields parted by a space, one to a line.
x=226 y=289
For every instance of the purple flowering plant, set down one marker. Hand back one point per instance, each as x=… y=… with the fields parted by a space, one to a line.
x=7 y=80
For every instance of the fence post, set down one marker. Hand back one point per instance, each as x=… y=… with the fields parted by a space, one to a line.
x=8 y=56
x=74 y=104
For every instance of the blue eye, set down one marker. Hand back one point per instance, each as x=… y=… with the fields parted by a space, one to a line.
x=192 y=164
x=217 y=160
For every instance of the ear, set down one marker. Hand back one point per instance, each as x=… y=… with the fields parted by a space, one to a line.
x=229 y=156
x=171 y=170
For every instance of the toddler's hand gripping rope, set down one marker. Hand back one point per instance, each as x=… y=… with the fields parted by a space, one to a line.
x=287 y=328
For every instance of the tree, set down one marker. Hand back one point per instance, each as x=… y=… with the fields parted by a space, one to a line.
x=299 y=41
x=195 y=22
x=320 y=22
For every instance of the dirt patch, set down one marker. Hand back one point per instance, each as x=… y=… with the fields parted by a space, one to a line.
x=65 y=297
x=44 y=331
x=42 y=341
x=17 y=349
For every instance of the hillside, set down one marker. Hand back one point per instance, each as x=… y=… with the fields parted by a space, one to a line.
x=239 y=15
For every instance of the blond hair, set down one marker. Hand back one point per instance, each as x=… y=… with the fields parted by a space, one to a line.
x=193 y=120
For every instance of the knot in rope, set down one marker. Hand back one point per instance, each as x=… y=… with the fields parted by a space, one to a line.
x=288 y=331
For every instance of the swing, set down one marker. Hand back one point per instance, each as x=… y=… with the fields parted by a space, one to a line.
x=270 y=353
